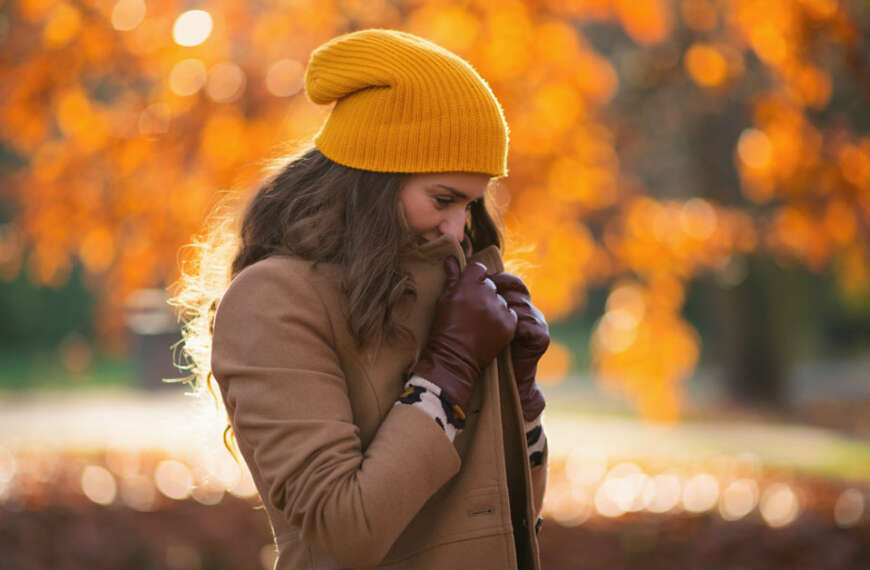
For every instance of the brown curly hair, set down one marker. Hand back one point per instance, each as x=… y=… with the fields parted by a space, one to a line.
x=317 y=209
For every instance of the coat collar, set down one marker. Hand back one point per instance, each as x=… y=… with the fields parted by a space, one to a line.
x=436 y=250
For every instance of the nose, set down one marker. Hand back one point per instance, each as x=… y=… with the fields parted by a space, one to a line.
x=454 y=223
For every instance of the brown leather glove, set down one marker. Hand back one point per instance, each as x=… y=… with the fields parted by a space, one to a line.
x=472 y=324
x=530 y=343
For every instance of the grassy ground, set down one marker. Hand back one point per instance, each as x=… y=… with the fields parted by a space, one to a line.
x=29 y=369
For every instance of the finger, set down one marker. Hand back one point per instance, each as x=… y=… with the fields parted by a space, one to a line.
x=488 y=283
x=451 y=266
x=514 y=318
x=514 y=297
x=509 y=282
x=476 y=271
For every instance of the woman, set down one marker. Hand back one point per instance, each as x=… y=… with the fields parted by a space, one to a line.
x=376 y=363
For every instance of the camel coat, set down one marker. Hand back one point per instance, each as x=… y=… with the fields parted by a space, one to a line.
x=347 y=479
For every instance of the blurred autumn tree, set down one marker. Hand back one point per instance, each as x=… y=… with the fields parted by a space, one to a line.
x=653 y=143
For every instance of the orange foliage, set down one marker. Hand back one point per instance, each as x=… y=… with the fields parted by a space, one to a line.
x=128 y=138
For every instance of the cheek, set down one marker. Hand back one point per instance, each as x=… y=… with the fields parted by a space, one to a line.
x=419 y=213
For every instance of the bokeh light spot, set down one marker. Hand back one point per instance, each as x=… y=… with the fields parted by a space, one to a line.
x=187 y=77
x=284 y=78
x=98 y=484
x=700 y=493
x=849 y=508
x=173 y=479
x=738 y=499
x=192 y=28
x=127 y=14
x=754 y=148
x=779 y=505
x=226 y=81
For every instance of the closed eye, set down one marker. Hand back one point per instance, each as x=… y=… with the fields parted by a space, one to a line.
x=443 y=202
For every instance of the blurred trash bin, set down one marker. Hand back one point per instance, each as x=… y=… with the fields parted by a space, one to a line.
x=153 y=331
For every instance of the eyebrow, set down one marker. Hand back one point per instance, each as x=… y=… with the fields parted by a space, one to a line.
x=456 y=192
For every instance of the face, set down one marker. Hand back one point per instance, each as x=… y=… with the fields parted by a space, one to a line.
x=437 y=203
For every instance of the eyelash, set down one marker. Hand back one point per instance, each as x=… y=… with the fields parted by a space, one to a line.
x=443 y=202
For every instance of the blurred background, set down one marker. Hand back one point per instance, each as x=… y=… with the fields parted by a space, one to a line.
x=688 y=201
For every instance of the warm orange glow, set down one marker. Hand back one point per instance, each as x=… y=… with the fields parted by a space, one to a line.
x=120 y=168
x=705 y=65
x=641 y=348
x=557 y=107
x=840 y=222
x=127 y=14
x=187 y=77
x=699 y=15
x=754 y=149
x=646 y=21
x=698 y=219
x=554 y=365
x=63 y=24
x=453 y=27
x=98 y=249
x=855 y=165
x=226 y=81
x=284 y=78
x=813 y=86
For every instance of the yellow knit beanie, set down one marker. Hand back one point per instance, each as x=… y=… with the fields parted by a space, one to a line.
x=404 y=104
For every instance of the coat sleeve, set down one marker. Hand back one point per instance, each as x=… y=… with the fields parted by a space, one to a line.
x=274 y=356
x=539 y=450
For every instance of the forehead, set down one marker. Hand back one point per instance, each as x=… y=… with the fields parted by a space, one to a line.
x=471 y=183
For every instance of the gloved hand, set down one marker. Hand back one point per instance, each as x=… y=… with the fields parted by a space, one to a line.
x=472 y=324
x=530 y=343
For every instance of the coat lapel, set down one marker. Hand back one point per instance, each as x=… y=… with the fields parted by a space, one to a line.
x=496 y=397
